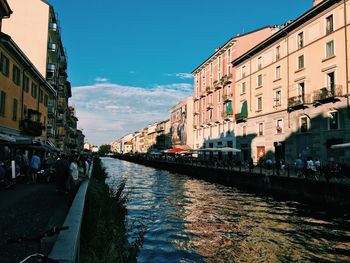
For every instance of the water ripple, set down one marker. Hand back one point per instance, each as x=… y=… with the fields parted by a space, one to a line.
x=190 y=220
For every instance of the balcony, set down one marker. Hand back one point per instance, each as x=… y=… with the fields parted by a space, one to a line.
x=203 y=94
x=227 y=115
x=327 y=94
x=196 y=112
x=210 y=106
x=227 y=97
x=298 y=102
x=195 y=126
x=63 y=73
x=240 y=117
x=32 y=128
x=52 y=47
x=196 y=98
x=53 y=27
x=225 y=80
x=217 y=85
x=209 y=89
x=51 y=68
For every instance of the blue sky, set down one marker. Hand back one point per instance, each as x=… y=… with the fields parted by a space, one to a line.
x=129 y=61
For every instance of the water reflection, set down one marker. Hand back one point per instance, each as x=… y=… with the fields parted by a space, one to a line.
x=191 y=220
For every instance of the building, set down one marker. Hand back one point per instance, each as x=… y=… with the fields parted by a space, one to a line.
x=24 y=96
x=163 y=140
x=115 y=146
x=5 y=11
x=126 y=143
x=181 y=121
x=35 y=28
x=214 y=100
x=292 y=89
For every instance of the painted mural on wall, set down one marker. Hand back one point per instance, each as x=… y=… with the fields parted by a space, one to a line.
x=178 y=126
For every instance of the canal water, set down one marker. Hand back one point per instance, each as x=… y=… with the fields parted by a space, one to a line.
x=189 y=220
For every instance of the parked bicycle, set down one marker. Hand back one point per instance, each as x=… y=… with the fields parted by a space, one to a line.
x=38 y=256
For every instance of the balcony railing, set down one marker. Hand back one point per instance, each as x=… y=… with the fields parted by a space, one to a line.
x=227 y=97
x=241 y=117
x=203 y=94
x=328 y=94
x=52 y=47
x=51 y=67
x=53 y=27
x=217 y=85
x=196 y=112
x=227 y=115
x=225 y=80
x=195 y=126
x=31 y=128
x=298 y=102
x=210 y=106
x=209 y=89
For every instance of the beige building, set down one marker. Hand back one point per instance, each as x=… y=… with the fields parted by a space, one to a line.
x=181 y=121
x=163 y=140
x=292 y=89
x=115 y=146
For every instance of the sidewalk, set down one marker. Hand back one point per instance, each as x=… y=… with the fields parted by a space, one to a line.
x=28 y=210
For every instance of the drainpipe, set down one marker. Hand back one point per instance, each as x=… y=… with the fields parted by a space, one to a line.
x=346 y=61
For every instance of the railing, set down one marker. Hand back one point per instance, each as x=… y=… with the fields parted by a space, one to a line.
x=227 y=97
x=53 y=26
x=227 y=115
x=52 y=47
x=30 y=127
x=209 y=89
x=328 y=93
x=51 y=68
x=203 y=94
x=240 y=117
x=217 y=84
x=210 y=106
x=226 y=79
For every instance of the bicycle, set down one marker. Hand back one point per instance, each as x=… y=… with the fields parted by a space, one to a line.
x=38 y=256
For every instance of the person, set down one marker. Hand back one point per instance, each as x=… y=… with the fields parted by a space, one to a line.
x=62 y=174
x=268 y=164
x=35 y=163
x=2 y=171
x=25 y=167
x=278 y=166
x=309 y=167
x=81 y=172
x=317 y=165
x=299 y=165
x=251 y=164
x=73 y=180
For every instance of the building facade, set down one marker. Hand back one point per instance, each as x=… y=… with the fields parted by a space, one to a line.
x=214 y=100
x=35 y=28
x=292 y=89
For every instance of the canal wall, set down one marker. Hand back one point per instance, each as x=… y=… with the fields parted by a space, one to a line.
x=328 y=195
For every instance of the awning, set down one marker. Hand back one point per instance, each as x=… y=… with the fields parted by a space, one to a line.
x=175 y=150
x=244 y=109
x=223 y=149
x=340 y=146
x=6 y=138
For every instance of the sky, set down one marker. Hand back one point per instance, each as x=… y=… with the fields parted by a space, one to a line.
x=130 y=61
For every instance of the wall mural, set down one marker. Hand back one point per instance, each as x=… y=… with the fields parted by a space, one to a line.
x=178 y=126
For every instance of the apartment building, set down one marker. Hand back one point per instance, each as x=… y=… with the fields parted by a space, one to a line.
x=163 y=140
x=291 y=90
x=35 y=28
x=181 y=121
x=214 y=100
x=115 y=146
x=24 y=96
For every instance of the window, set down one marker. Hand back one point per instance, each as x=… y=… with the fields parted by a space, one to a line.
x=301 y=62
x=330 y=49
x=219 y=67
x=278 y=52
x=244 y=131
x=278 y=72
x=14 y=112
x=259 y=103
x=300 y=40
x=278 y=98
x=301 y=92
x=16 y=75
x=5 y=65
x=261 y=129
x=259 y=63
x=211 y=73
x=259 y=80
x=41 y=96
x=333 y=120
x=228 y=62
x=2 y=103
x=25 y=83
x=303 y=124
x=243 y=72
x=329 y=24
x=34 y=90
x=243 y=88
x=279 y=126
x=25 y=110
x=331 y=82
x=219 y=96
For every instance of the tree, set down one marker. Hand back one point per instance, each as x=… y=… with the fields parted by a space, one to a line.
x=104 y=149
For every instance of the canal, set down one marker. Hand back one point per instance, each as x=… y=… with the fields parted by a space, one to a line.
x=189 y=220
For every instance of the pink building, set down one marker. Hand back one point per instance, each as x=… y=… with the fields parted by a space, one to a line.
x=214 y=90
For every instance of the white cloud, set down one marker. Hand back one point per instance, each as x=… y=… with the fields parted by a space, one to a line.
x=108 y=111
x=101 y=80
x=180 y=75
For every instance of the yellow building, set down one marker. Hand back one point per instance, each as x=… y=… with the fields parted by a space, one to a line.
x=292 y=89
x=24 y=95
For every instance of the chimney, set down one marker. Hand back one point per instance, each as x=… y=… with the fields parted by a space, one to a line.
x=316 y=2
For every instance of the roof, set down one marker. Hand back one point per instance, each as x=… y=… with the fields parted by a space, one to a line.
x=286 y=30
x=233 y=39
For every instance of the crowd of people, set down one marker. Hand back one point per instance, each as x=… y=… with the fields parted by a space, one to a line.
x=32 y=167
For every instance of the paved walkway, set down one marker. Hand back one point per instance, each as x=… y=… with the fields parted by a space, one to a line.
x=28 y=210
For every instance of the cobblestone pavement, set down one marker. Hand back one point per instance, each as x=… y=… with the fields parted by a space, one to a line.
x=28 y=210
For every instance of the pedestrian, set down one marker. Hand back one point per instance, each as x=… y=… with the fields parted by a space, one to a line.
x=278 y=166
x=61 y=174
x=299 y=165
x=73 y=180
x=309 y=167
x=251 y=164
x=35 y=163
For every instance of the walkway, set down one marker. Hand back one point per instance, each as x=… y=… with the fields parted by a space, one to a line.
x=30 y=210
